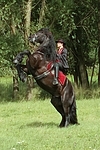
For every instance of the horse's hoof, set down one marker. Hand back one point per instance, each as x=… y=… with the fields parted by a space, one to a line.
x=61 y=125
x=77 y=123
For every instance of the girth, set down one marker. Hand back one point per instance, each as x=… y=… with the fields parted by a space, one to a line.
x=43 y=75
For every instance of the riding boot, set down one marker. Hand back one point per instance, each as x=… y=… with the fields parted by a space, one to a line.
x=56 y=70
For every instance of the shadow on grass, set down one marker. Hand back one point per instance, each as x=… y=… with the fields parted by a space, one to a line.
x=48 y=124
x=40 y=124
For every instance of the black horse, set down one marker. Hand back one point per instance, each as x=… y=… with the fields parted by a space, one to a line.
x=63 y=97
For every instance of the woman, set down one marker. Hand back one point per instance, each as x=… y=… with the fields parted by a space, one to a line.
x=61 y=60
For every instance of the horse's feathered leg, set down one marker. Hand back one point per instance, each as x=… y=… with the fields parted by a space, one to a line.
x=69 y=105
x=56 y=102
x=21 y=69
x=67 y=115
x=19 y=58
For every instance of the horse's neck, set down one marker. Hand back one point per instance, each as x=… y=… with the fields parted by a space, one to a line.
x=49 y=54
x=45 y=42
x=48 y=49
x=40 y=59
x=43 y=67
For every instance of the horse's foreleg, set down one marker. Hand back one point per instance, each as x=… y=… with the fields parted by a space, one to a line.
x=25 y=69
x=56 y=102
x=22 y=75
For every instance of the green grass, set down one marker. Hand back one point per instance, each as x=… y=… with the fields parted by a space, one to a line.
x=33 y=125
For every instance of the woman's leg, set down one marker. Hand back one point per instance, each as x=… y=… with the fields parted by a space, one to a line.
x=56 y=71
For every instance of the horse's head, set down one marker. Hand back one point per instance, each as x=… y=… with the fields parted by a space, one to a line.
x=47 y=44
x=39 y=37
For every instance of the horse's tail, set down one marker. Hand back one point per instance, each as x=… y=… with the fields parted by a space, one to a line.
x=73 y=115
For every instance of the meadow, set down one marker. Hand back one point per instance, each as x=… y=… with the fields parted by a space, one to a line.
x=33 y=125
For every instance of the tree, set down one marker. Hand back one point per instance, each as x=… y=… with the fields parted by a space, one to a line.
x=74 y=21
x=99 y=42
x=42 y=13
x=27 y=18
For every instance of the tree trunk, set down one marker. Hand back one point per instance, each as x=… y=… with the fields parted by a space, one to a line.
x=42 y=13
x=93 y=68
x=83 y=76
x=15 y=76
x=27 y=19
x=80 y=73
x=30 y=83
x=99 y=42
x=28 y=8
x=15 y=87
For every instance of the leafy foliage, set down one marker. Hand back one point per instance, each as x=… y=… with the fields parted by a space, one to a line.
x=75 y=21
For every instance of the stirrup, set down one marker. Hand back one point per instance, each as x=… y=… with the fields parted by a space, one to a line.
x=55 y=82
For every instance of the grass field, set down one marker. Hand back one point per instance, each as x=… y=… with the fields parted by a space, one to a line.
x=33 y=125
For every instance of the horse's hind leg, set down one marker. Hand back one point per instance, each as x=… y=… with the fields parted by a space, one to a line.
x=65 y=99
x=56 y=102
x=67 y=115
x=73 y=114
x=69 y=106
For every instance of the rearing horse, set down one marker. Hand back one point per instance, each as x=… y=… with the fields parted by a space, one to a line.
x=63 y=97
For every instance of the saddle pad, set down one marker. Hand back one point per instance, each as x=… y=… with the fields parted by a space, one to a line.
x=61 y=78
x=49 y=65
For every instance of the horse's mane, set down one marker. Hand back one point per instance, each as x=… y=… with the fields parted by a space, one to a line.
x=50 y=48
